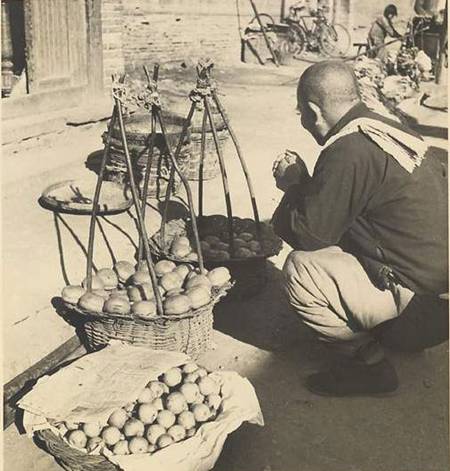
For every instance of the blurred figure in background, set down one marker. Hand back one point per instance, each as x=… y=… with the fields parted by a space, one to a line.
x=380 y=29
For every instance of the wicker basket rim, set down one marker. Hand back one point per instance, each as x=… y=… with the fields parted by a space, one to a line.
x=220 y=292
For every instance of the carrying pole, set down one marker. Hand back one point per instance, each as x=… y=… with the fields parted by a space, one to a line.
x=263 y=30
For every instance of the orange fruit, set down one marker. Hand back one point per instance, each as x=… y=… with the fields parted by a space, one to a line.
x=77 y=438
x=138 y=445
x=111 y=435
x=172 y=377
x=154 y=432
x=118 y=418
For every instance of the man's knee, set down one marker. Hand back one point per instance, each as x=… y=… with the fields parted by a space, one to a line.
x=299 y=260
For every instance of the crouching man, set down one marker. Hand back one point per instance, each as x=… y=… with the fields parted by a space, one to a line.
x=369 y=233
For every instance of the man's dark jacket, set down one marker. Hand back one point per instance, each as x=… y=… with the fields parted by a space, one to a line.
x=363 y=200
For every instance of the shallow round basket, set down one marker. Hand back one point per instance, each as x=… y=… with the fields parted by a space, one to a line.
x=69 y=458
x=76 y=197
x=188 y=333
x=249 y=273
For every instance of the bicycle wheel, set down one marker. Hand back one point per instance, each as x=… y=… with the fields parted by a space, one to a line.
x=334 y=40
x=296 y=38
x=266 y=21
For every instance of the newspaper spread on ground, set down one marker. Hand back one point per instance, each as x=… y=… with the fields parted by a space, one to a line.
x=92 y=387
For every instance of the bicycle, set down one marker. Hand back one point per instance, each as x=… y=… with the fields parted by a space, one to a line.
x=332 y=40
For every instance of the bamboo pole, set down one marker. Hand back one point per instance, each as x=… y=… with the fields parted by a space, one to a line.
x=241 y=159
x=140 y=221
x=98 y=187
x=224 y=175
x=263 y=30
x=202 y=160
x=187 y=123
x=174 y=158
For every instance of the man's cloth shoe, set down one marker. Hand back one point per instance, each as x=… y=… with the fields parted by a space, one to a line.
x=355 y=378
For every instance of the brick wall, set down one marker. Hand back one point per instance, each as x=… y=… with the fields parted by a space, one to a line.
x=184 y=30
x=137 y=32
x=112 y=36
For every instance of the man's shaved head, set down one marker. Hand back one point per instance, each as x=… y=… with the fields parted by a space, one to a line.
x=328 y=83
x=326 y=92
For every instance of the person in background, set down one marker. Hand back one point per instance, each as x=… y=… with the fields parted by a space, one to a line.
x=369 y=232
x=381 y=28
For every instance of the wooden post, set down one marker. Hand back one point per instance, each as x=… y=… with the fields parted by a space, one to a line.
x=283 y=11
x=7 y=52
x=443 y=40
x=263 y=30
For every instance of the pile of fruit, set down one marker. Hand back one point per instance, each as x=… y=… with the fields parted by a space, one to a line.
x=127 y=291
x=215 y=240
x=167 y=411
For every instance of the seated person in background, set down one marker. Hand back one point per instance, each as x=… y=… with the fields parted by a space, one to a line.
x=380 y=29
x=369 y=232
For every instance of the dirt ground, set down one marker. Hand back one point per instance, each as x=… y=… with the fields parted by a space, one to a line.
x=260 y=338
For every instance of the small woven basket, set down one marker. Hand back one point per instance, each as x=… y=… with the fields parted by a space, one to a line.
x=211 y=167
x=69 y=458
x=188 y=333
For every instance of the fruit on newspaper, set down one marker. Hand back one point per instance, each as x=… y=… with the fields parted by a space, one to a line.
x=127 y=290
x=188 y=396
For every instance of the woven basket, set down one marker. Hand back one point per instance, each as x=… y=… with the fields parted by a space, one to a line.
x=249 y=274
x=188 y=333
x=116 y=169
x=69 y=458
x=211 y=167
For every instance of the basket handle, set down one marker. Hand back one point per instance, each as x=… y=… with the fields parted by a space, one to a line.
x=248 y=180
x=136 y=201
x=156 y=113
x=144 y=192
x=98 y=187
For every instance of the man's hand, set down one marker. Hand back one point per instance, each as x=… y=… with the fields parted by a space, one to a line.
x=289 y=169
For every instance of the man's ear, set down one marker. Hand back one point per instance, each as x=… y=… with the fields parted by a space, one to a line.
x=317 y=111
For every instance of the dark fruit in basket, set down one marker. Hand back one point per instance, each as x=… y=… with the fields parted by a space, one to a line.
x=222 y=255
x=246 y=236
x=239 y=243
x=222 y=246
x=243 y=253
x=178 y=304
x=219 y=276
x=141 y=277
x=163 y=267
x=199 y=296
x=198 y=280
x=171 y=281
x=212 y=240
x=254 y=246
x=71 y=294
x=117 y=306
x=91 y=302
x=97 y=283
x=109 y=278
x=124 y=270
x=144 y=309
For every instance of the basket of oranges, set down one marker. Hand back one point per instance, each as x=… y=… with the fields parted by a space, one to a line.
x=122 y=306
